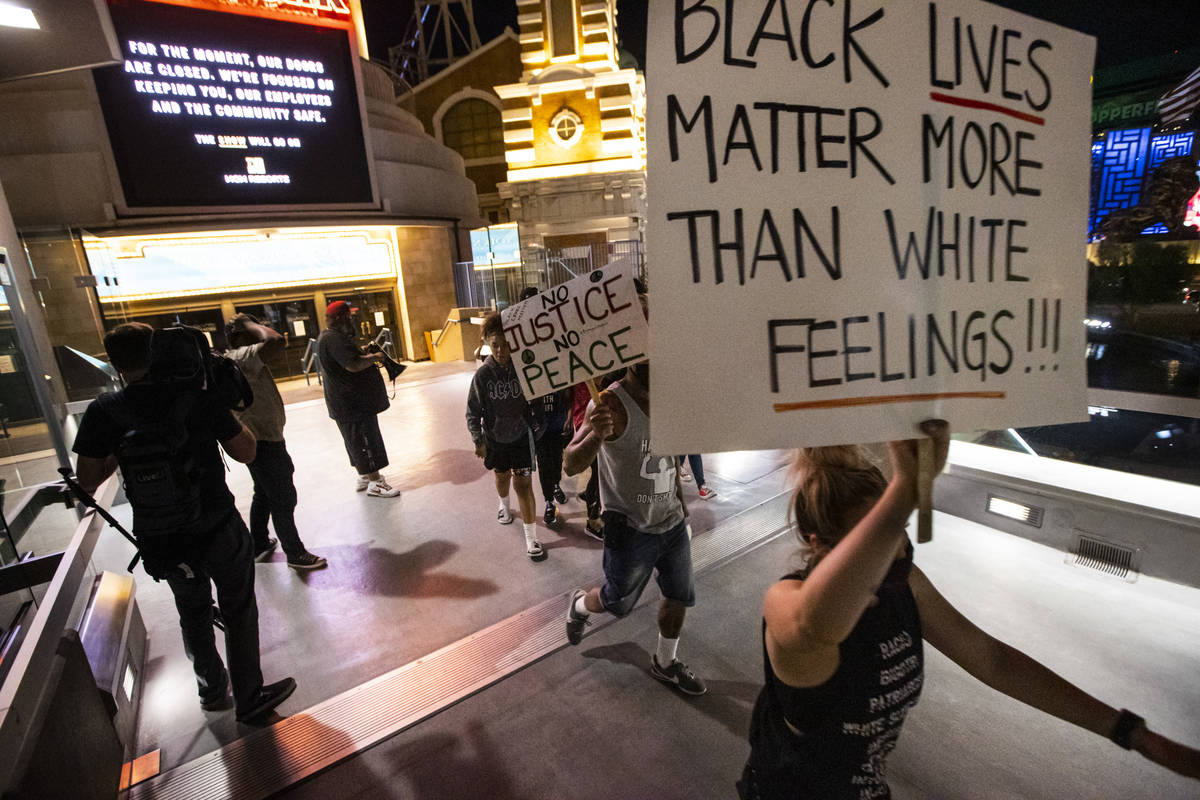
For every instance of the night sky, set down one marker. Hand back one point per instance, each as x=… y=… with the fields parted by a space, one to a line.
x=1126 y=30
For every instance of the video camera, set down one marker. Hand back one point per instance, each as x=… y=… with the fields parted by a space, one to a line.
x=181 y=357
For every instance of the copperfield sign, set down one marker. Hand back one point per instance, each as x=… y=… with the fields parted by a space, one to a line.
x=577 y=331
x=864 y=214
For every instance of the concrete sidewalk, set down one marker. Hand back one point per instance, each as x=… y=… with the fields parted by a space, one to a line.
x=407 y=575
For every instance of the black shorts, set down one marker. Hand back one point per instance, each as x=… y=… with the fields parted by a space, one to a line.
x=505 y=456
x=364 y=443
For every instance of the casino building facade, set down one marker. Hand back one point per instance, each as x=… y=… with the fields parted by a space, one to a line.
x=211 y=174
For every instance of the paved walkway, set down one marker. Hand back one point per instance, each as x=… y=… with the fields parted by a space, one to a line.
x=407 y=575
x=414 y=574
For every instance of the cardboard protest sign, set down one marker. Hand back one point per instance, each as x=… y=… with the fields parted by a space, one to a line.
x=577 y=331
x=863 y=214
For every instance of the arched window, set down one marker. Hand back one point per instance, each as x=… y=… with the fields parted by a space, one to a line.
x=473 y=128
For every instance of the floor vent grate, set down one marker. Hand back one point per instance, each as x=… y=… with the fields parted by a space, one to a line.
x=1112 y=559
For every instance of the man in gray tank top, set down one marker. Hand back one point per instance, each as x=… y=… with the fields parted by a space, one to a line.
x=645 y=522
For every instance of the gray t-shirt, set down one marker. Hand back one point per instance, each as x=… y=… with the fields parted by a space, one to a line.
x=635 y=482
x=265 y=416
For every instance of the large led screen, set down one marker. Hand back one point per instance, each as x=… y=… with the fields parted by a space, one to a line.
x=222 y=109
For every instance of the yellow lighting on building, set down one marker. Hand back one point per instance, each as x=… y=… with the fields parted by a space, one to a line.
x=567 y=170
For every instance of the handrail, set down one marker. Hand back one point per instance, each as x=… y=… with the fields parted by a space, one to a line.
x=383 y=340
x=23 y=695
x=308 y=362
x=445 y=328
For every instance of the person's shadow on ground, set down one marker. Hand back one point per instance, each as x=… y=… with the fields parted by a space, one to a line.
x=727 y=702
x=365 y=569
x=433 y=765
x=445 y=466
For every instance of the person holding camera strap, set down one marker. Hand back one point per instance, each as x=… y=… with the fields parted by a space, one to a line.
x=211 y=546
x=272 y=468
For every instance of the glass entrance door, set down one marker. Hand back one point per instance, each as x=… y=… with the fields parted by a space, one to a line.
x=376 y=310
x=296 y=321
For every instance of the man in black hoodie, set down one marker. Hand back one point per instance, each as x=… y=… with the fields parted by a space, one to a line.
x=498 y=417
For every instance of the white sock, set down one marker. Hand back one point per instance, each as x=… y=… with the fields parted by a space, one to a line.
x=581 y=607
x=504 y=503
x=666 y=650
x=530 y=533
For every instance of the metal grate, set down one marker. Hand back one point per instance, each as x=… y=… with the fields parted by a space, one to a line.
x=269 y=760
x=1106 y=557
x=1014 y=509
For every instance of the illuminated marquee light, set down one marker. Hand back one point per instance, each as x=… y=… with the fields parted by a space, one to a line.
x=133 y=268
x=18 y=16
x=284 y=9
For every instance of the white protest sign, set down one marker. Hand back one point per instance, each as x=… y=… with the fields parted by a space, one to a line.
x=863 y=214
x=577 y=331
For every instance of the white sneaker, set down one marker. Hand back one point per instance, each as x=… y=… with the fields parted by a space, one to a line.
x=504 y=516
x=380 y=488
x=362 y=484
x=684 y=475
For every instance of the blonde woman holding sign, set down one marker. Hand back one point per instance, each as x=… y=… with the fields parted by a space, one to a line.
x=842 y=641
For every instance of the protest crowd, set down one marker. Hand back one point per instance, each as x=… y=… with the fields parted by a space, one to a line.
x=842 y=638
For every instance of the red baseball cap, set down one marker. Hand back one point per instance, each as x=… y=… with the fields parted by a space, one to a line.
x=338 y=307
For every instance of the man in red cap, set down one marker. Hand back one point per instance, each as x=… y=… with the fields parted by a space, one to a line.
x=354 y=395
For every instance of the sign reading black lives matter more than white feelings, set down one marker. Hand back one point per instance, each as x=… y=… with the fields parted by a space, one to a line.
x=577 y=331
x=863 y=214
x=215 y=108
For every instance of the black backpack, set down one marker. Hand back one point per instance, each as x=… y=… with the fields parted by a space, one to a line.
x=161 y=477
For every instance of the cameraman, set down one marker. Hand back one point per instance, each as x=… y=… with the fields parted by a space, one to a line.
x=216 y=548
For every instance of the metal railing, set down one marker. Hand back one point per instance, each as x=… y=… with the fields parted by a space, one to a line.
x=309 y=363
x=485 y=286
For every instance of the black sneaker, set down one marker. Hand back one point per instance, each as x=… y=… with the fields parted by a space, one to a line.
x=551 y=516
x=560 y=496
x=218 y=618
x=575 y=622
x=268 y=698
x=307 y=561
x=678 y=675
x=216 y=699
x=595 y=529
x=264 y=554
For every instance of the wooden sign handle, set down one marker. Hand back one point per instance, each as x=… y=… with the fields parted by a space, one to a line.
x=924 y=490
x=591 y=386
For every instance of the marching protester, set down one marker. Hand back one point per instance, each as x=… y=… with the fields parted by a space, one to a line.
x=696 y=462
x=272 y=469
x=192 y=540
x=498 y=419
x=645 y=522
x=594 y=526
x=355 y=396
x=842 y=640
x=553 y=433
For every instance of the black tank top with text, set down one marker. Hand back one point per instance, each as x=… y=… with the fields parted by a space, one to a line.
x=832 y=741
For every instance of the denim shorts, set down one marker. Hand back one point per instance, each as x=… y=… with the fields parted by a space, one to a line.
x=630 y=556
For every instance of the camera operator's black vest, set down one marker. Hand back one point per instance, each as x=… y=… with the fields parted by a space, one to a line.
x=161 y=476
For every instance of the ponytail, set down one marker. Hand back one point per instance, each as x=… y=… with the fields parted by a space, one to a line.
x=831 y=487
